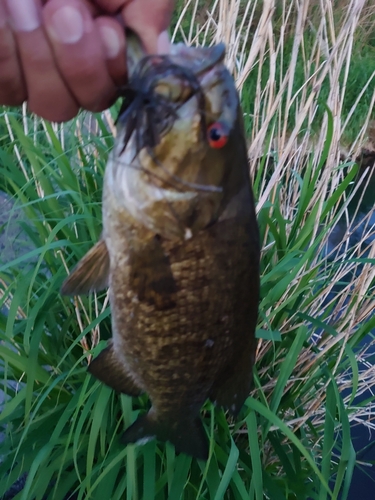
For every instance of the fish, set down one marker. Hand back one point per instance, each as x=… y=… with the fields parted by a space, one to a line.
x=179 y=249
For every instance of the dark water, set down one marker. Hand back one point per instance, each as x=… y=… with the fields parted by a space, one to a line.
x=363 y=483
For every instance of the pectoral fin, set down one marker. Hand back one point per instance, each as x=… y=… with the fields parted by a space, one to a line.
x=91 y=273
x=111 y=371
x=151 y=275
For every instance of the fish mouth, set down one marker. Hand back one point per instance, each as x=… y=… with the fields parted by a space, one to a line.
x=159 y=86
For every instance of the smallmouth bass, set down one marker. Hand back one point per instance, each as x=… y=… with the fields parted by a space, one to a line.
x=180 y=248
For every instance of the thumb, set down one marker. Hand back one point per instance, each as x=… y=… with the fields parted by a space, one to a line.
x=164 y=43
x=149 y=19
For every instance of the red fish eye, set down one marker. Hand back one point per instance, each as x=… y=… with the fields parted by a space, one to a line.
x=217 y=135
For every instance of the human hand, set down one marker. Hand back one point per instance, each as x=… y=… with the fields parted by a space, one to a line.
x=148 y=18
x=70 y=54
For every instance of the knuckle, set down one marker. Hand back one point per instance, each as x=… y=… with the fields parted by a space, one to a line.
x=12 y=90
x=10 y=100
x=38 y=62
x=92 y=90
x=99 y=101
x=5 y=58
x=85 y=71
x=7 y=49
x=49 y=110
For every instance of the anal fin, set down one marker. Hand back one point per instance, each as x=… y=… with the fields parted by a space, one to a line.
x=111 y=371
x=91 y=273
x=234 y=385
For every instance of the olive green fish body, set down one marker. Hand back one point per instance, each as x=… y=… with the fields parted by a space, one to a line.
x=181 y=251
x=181 y=317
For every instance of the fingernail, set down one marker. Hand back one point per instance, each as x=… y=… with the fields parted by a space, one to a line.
x=24 y=14
x=66 y=25
x=111 y=41
x=164 y=44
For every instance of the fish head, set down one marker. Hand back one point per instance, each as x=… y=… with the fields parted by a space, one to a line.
x=180 y=149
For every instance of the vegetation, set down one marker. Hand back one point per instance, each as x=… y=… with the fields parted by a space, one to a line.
x=295 y=64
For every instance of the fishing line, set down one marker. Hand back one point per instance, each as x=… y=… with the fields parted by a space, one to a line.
x=195 y=187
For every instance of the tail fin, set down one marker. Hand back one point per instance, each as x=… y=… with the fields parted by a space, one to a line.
x=187 y=435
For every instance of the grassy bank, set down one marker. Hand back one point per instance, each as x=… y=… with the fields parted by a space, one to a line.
x=308 y=103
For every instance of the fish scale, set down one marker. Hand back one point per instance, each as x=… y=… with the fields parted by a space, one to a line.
x=179 y=250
